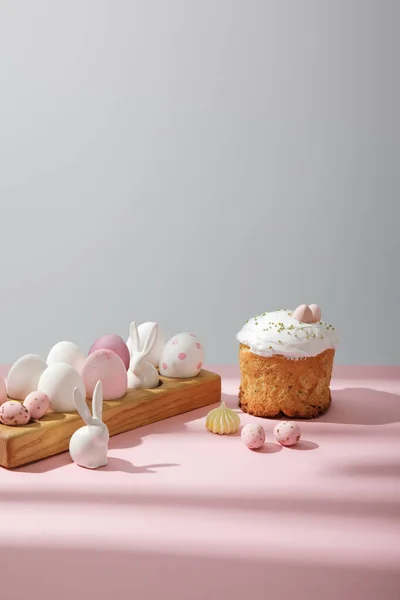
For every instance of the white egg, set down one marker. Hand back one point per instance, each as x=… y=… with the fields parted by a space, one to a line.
x=24 y=376
x=66 y=352
x=155 y=354
x=58 y=382
x=182 y=356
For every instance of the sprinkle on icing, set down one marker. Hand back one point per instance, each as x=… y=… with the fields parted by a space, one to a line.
x=277 y=332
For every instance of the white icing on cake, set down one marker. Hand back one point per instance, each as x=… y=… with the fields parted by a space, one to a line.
x=278 y=333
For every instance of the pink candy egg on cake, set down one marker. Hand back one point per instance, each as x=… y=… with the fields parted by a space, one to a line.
x=316 y=311
x=14 y=413
x=116 y=344
x=37 y=404
x=287 y=433
x=105 y=366
x=303 y=314
x=253 y=435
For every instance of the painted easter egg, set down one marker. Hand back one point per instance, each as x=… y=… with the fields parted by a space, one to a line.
x=37 y=404
x=107 y=367
x=116 y=344
x=182 y=356
x=287 y=433
x=24 y=376
x=58 y=382
x=66 y=352
x=253 y=436
x=303 y=314
x=3 y=391
x=316 y=311
x=14 y=413
x=155 y=354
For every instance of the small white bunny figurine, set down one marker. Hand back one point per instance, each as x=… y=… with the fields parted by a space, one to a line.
x=88 y=446
x=142 y=373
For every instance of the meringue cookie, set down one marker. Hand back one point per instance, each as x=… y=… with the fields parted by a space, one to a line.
x=222 y=420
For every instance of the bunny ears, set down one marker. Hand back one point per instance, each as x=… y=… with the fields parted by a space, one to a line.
x=149 y=342
x=307 y=314
x=97 y=405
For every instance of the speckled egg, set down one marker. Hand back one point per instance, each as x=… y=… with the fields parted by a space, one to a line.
x=253 y=435
x=115 y=343
x=37 y=404
x=107 y=367
x=3 y=391
x=24 y=375
x=182 y=356
x=287 y=433
x=13 y=413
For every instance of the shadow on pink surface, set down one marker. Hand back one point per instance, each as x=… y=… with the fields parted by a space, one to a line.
x=386 y=470
x=267 y=506
x=362 y=406
x=106 y=573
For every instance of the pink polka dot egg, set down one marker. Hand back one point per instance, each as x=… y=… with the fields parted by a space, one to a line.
x=253 y=436
x=182 y=356
x=287 y=433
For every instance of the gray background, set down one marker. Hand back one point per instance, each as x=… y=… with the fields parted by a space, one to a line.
x=196 y=163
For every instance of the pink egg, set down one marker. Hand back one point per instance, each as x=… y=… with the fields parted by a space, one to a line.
x=106 y=366
x=37 y=404
x=287 y=433
x=3 y=391
x=253 y=436
x=303 y=314
x=316 y=311
x=14 y=413
x=115 y=343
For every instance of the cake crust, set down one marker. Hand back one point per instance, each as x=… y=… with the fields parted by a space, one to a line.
x=275 y=385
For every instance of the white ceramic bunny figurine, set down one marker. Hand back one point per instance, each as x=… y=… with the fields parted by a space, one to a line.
x=142 y=373
x=88 y=446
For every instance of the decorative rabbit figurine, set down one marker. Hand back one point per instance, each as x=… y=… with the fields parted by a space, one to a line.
x=88 y=446
x=142 y=374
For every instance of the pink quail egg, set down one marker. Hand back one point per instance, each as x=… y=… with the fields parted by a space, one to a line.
x=316 y=311
x=303 y=314
x=14 y=413
x=116 y=344
x=58 y=382
x=24 y=375
x=37 y=404
x=66 y=352
x=182 y=357
x=287 y=433
x=106 y=366
x=253 y=436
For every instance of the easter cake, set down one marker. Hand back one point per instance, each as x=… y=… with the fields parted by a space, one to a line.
x=286 y=359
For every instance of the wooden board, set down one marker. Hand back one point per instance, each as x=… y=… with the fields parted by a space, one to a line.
x=51 y=435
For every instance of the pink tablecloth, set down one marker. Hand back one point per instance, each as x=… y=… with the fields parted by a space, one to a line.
x=181 y=513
